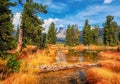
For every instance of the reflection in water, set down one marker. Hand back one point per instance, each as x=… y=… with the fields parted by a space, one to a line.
x=60 y=57
x=77 y=56
x=81 y=56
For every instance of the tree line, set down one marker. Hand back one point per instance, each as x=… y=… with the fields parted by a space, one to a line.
x=110 y=37
x=32 y=29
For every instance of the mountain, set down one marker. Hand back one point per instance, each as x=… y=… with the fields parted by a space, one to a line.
x=61 y=33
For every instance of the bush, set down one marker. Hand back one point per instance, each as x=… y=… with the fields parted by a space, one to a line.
x=13 y=64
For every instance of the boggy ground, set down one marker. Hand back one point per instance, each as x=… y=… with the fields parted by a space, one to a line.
x=30 y=59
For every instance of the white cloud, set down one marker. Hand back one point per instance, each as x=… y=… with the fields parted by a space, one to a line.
x=96 y=14
x=53 y=5
x=48 y=21
x=61 y=25
x=16 y=20
x=107 y=1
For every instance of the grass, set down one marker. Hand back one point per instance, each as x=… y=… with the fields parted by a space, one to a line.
x=29 y=66
x=109 y=72
x=102 y=76
x=29 y=73
x=21 y=78
x=111 y=65
x=110 y=55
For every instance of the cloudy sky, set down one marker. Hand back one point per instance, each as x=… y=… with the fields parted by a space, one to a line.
x=64 y=12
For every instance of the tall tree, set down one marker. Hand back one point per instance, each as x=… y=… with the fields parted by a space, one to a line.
x=94 y=35
x=86 y=33
x=42 y=40
x=110 y=31
x=31 y=24
x=68 y=35
x=7 y=40
x=119 y=35
x=51 y=36
x=72 y=35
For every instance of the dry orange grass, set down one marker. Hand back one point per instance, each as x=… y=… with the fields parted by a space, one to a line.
x=3 y=62
x=3 y=69
x=109 y=54
x=92 y=47
x=65 y=51
x=52 y=47
x=30 y=67
x=79 y=47
x=21 y=78
x=111 y=65
x=102 y=76
x=35 y=60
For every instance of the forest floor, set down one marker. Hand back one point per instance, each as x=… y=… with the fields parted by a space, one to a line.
x=30 y=72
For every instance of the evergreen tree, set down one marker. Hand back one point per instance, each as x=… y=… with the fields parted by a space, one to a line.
x=110 y=31
x=119 y=35
x=86 y=33
x=7 y=40
x=68 y=35
x=51 y=36
x=72 y=35
x=31 y=24
x=43 y=40
x=94 y=37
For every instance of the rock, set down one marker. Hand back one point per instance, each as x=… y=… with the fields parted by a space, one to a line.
x=82 y=75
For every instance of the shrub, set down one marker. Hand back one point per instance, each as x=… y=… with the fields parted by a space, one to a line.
x=13 y=64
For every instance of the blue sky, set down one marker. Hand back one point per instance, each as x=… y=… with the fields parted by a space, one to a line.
x=64 y=12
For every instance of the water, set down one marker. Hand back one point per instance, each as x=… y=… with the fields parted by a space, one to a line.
x=76 y=76
x=77 y=56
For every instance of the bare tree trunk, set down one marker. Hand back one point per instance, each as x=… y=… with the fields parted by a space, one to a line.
x=20 y=42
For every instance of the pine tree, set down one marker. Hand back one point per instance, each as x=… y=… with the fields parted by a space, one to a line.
x=86 y=33
x=110 y=31
x=7 y=39
x=31 y=24
x=119 y=35
x=68 y=35
x=42 y=40
x=51 y=36
x=72 y=35
x=94 y=37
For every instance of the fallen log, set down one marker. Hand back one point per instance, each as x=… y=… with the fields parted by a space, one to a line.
x=48 y=68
